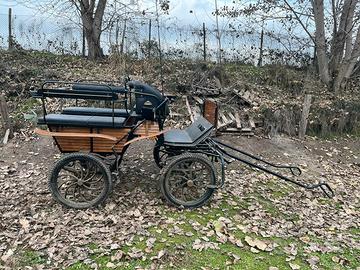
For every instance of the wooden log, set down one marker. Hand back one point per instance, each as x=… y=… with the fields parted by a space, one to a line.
x=304 y=116
x=5 y=119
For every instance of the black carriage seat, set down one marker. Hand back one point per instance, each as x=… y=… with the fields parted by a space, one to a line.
x=191 y=136
x=149 y=100
x=92 y=87
x=96 y=111
x=81 y=120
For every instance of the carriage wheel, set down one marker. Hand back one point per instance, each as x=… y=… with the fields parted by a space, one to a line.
x=186 y=179
x=160 y=155
x=80 y=181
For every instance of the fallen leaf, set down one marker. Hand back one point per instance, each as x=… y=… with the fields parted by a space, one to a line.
x=110 y=265
x=294 y=266
x=161 y=254
x=7 y=255
x=249 y=241
x=24 y=223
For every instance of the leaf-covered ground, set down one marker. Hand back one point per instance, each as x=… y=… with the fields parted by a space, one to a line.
x=254 y=222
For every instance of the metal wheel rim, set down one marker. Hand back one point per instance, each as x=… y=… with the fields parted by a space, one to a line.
x=81 y=182
x=189 y=178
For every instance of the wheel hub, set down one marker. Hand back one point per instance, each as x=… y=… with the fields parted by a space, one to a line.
x=190 y=183
x=80 y=182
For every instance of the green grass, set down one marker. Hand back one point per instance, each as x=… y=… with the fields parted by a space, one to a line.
x=181 y=255
x=31 y=258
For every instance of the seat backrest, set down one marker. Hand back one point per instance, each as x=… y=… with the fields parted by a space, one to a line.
x=99 y=87
x=199 y=128
x=147 y=99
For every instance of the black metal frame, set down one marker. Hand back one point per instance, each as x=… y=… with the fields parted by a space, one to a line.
x=110 y=95
x=214 y=148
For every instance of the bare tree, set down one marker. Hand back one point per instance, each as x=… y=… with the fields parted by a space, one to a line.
x=92 y=14
x=337 y=50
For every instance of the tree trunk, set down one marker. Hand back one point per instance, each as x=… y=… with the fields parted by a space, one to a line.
x=347 y=65
x=94 y=48
x=92 y=22
x=341 y=37
x=323 y=65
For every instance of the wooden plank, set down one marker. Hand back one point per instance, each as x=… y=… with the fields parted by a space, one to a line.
x=224 y=121
x=244 y=95
x=232 y=130
x=251 y=123
x=74 y=134
x=198 y=100
x=247 y=134
x=237 y=120
x=232 y=117
x=189 y=109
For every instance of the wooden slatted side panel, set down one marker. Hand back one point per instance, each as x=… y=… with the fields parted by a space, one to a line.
x=147 y=128
x=104 y=146
x=100 y=145
x=72 y=144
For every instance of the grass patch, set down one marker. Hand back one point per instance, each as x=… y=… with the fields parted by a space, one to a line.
x=31 y=258
x=180 y=253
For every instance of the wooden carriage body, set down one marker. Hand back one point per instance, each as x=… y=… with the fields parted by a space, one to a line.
x=102 y=130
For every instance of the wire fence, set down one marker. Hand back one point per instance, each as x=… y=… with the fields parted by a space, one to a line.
x=139 y=38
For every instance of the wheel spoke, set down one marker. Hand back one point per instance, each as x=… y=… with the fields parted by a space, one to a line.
x=67 y=181
x=90 y=188
x=70 y=175
x=80 y=181
x=187 y=181
x=68 y=187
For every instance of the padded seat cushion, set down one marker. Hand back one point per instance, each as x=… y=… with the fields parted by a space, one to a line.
x=191 y=135
x=96 y=111
x=81 y=120
x=99 y=87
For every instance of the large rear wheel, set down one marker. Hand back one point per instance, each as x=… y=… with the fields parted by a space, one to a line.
x=80 y=181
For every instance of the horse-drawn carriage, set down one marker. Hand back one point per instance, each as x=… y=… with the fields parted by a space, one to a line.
x=94 y=140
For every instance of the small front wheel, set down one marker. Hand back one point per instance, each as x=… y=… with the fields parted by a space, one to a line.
x=80 y=181
x=188 y=180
